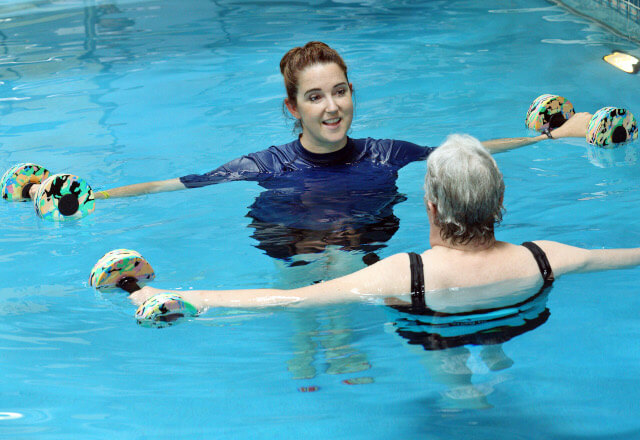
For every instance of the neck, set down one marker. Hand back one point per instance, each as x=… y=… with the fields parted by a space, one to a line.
x=323 y=148
x=473 y=246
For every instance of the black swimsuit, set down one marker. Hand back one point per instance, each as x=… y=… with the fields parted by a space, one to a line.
x=438 y=330
x=418 y=303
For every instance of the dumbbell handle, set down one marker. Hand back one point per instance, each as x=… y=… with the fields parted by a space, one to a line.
x=26 y=190
x=556 y=120
x=129 y=284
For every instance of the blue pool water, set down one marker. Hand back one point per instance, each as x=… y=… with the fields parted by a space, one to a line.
x=129 y=91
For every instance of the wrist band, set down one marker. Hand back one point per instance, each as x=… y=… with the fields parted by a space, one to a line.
x=105 y=194
x=547 y=132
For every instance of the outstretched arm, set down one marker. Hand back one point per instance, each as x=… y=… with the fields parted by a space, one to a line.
x=242 y=168
x=576 y=126
x=499 y=145
x=129 y=190
x=141 y=188
x=566 y=259
x=387 y=277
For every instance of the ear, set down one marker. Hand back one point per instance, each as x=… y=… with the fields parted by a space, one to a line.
x=351 y=87
x=292 y=107
x=431 y=208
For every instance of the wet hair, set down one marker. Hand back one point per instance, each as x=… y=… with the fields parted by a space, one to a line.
x=299 y=58
x=464 y=183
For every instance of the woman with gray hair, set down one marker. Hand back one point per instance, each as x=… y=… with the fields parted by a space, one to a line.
x=464 y=191
x=473 y=289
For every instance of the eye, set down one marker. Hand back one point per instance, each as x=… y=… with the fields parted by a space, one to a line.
x=341 y=92
x=313 y=97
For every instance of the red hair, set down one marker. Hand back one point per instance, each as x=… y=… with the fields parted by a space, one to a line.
x=299 y=58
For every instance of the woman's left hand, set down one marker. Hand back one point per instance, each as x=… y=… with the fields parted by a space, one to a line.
x=576 y=126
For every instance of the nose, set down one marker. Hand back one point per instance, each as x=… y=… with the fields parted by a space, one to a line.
x=332 y=106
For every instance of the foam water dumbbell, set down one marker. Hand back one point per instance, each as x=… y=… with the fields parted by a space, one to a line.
x=127 y=269
x=608 y=127
x=548 y=111
x=59 y=196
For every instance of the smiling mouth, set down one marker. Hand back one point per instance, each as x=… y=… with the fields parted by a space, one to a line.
x=332 y=122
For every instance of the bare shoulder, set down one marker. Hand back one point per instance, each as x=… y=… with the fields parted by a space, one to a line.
x=389 y=268
x=396 y=259
x=563 y=258
x=393 y=274
x=390 y=275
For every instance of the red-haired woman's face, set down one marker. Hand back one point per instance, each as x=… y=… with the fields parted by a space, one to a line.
x=324 y=106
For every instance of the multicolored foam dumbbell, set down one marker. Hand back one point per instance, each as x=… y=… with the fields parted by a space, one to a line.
x=127 y=269
x=608 y=127
x=59 y=196
x=611 y=126
x=548 y=111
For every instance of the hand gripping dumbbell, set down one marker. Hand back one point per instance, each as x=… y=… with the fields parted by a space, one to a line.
x=59 y=196
x=607 y=128
x=126 y=269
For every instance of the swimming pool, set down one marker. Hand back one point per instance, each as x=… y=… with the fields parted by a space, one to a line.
x=130 y=91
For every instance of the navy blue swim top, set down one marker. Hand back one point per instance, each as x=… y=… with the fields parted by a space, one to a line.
x=276 y=161
x=345 y=198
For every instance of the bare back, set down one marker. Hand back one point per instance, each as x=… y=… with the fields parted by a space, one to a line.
x=446 y=268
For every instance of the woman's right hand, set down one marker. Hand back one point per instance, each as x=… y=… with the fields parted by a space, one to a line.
x=146 y=292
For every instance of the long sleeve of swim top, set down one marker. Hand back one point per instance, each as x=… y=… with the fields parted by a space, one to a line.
x=398 y=153
x=242 y=168
x=277 y=160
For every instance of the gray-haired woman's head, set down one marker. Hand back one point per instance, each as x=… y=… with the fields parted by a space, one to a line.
x=464 y=183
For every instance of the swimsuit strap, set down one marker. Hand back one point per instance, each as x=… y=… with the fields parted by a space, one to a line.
x=418 y=303
x=543 y=262
x=417 y=281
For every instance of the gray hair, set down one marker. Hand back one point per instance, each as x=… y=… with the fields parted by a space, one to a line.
x=464 y=183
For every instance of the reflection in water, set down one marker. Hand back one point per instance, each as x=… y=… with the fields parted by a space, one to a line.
x=46 y=104
x=347 y=207
x=103 y=19
x=622 y=155
x=320 y=224
x=441 y=341
x=282 y=242
x=324 y=336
